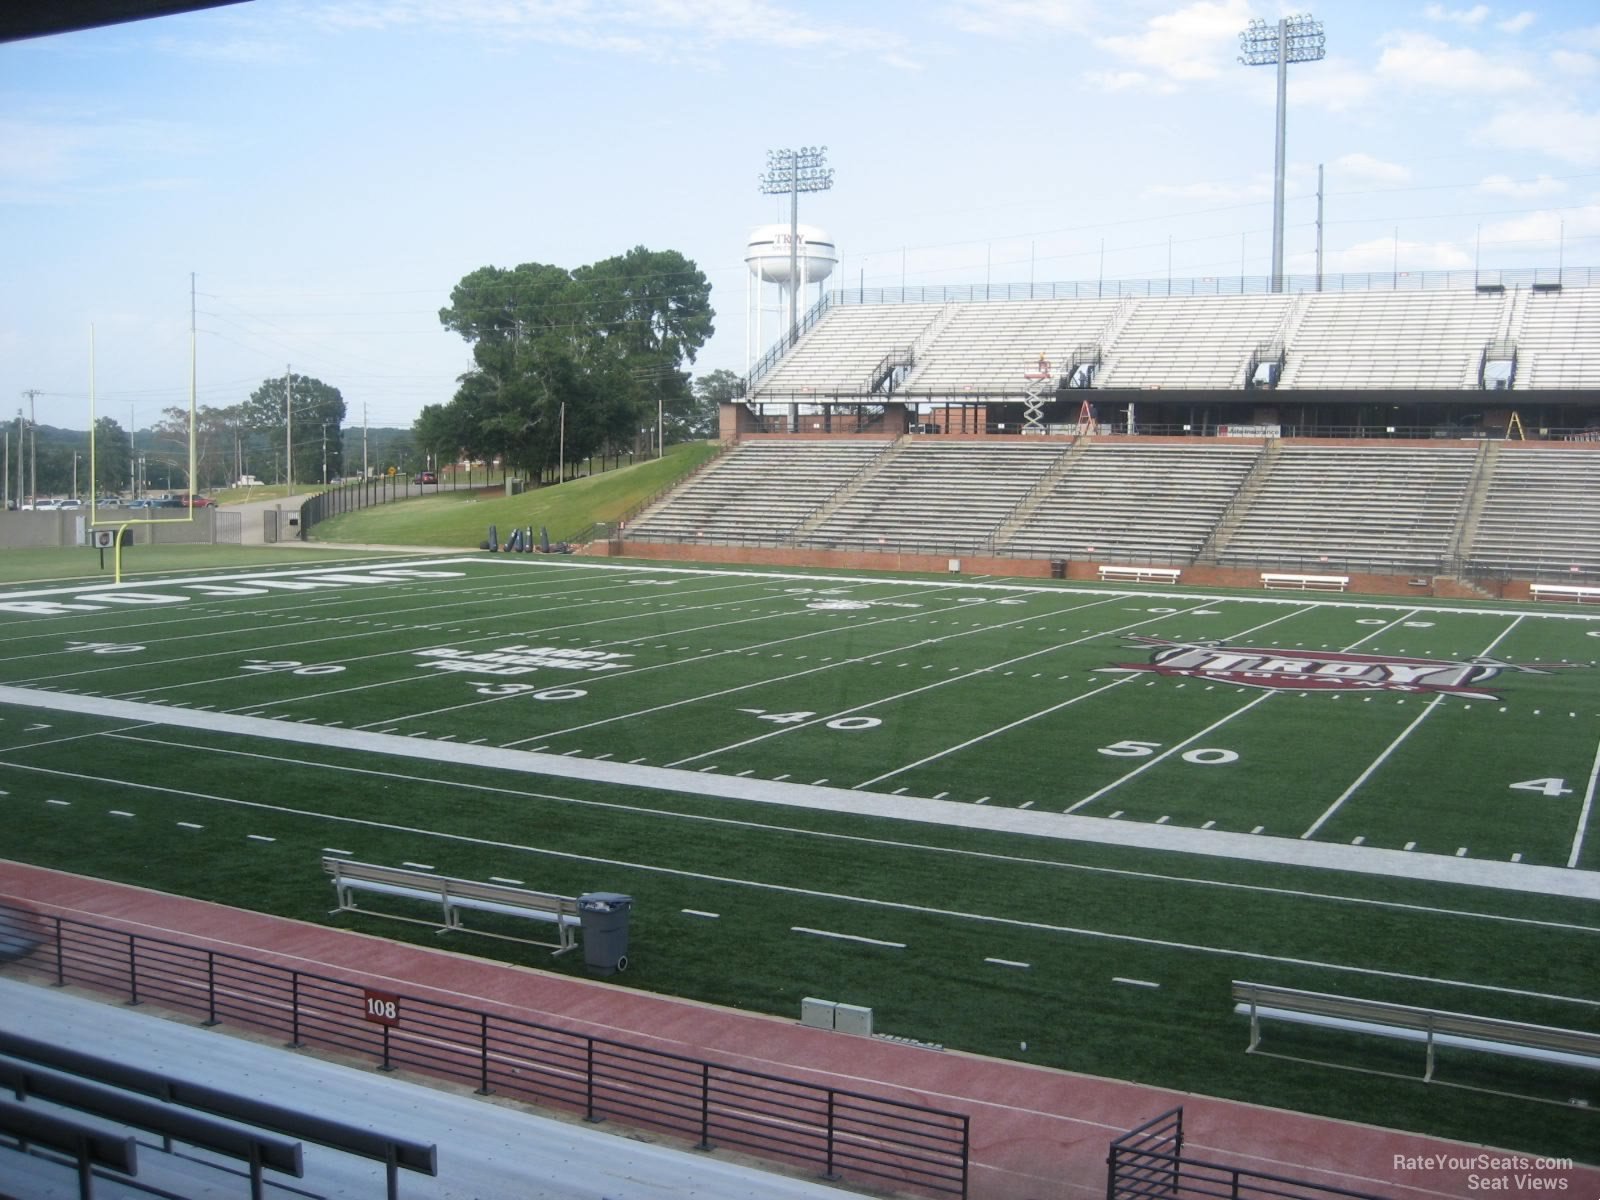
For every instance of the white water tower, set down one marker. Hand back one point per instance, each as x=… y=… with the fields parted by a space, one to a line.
x=768 y=255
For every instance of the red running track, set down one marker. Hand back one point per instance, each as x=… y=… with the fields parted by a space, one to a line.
x=1036 y=1133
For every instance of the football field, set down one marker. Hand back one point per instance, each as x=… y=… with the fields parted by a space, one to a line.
x=1045 y=821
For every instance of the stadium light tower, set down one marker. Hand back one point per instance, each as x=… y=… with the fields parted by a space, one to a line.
x=796 y=171
x=1292 y=39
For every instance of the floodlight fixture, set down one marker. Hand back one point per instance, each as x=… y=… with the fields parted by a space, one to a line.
x=796 y=171
x=1289 y=40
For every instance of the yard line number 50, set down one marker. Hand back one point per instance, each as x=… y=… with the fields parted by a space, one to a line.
x=1200 y=757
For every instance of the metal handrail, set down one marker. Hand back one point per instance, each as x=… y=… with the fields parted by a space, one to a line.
x=1222 y=285
x=839 y=1132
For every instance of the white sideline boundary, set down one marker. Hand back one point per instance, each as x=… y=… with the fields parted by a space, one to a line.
x=1366 y=860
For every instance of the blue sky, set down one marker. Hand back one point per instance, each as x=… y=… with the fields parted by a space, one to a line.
x=329 y=170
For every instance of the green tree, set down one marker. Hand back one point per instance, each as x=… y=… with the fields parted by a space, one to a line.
x=571 y=363
x=711 y=392
x=312 y=428
x=112 y=457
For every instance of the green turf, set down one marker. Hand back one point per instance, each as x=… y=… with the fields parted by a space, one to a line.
x=1003 y=696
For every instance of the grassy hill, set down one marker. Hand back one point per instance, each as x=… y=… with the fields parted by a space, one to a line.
x=462 y=518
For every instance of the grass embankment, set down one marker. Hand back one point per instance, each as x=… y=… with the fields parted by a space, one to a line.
x=462 y=518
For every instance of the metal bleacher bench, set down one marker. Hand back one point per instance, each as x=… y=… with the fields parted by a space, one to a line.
x=1140 y=574
x=1323 y=583
x=1432 y=1027
x=1576 y=592
x=455 y=895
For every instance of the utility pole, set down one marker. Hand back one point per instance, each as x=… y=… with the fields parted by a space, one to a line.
x=363 y=439
x=33 y=451
x=324 y=454
x=288 y=429
x=133 y=475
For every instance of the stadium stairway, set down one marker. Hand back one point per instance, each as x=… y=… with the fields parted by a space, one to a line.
x=1248 y=491
x=1028 y=504
x=844 y=494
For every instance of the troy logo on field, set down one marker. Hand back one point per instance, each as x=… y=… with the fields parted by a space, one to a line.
x=1322 y=671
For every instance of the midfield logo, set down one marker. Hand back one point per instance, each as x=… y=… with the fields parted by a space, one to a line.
x=1322 y=671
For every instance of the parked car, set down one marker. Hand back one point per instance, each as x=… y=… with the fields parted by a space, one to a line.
x=45 y=505
x=426 y=477
x=108 y=502
x=197 y=501
x=71 y=505
x=141 y=503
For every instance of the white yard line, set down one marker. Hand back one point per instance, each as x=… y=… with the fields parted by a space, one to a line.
x=141 y=737
x=1044 y=712
x=1388 y=750
x=1520 y=877
x=938 y=683
x=873 y=901
x=1373 y=766
x=1583 y=816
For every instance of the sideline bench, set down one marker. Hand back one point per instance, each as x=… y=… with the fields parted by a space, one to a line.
x=1139 y=574
x=1321 y=583
x=1577 y=593
x=455 y=895
x=1433 y=1027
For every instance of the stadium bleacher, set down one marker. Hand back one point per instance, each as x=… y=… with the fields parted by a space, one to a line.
x=1384 y=509
x=1374 y=339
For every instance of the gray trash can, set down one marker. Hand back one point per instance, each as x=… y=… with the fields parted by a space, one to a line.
x=604 y=917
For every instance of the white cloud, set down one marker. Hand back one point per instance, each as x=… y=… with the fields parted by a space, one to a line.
x=1421 y=60
x=1018 y=18
x=660 y=29
x=1198 y=41
x=1380 y=255
x=1335 y=84
x=1560 y=132
x=1547 y=228
x=1366 y=168
x=54 y=159
x=1504 y=185
x=1517 y=23
x=1120 y=81
x=1574 y=62
x=1475 y=15
x=1210 y=192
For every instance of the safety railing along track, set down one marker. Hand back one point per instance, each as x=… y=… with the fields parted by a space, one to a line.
x=848 y=1135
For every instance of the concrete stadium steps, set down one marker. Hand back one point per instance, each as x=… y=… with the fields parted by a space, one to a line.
x=760 y=491
x=1191 y=341
x=1392 y=340
x=989 y=347
x=1541 y=514
x=1558 y=342
x=1385 y=508
x=1360 y=339
x=939 y=493
x=840 y=351
x=1127 y=502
